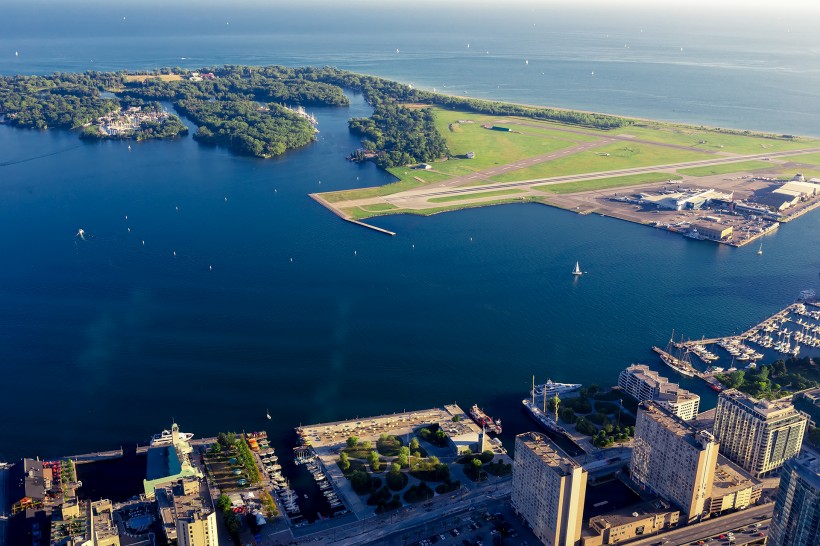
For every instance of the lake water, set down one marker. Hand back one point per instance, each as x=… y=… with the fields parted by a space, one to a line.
x=272 y=302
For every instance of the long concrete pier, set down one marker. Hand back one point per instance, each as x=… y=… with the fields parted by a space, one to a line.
x=95 y=456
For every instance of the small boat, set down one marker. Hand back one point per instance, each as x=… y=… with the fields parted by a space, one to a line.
x=267 y=414
x=760 y=250
x=577 y=271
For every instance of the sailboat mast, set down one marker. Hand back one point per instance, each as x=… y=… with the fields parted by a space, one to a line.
x=533 y=391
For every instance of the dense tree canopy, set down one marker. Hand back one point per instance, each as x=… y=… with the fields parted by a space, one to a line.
x=237 y=107
x=402 y=135
x=247 y=128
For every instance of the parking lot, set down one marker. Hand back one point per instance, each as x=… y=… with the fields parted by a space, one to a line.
x=482 y=529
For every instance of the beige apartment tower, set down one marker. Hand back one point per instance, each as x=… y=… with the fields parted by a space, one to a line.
x=758 y=435
x=548 y=490
x=641 y=383
x=187 y=517
x=673 y=459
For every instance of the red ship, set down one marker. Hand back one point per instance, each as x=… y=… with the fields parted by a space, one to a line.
x=485 y=420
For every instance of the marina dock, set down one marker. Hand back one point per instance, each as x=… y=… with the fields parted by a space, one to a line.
x=805 y=329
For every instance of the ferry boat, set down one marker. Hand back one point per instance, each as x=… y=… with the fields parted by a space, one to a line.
x=551 y=388
x=167 y=437
x=485 y=420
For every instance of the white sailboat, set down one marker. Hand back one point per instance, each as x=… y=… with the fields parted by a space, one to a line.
x=760 y=250
x=577 y=270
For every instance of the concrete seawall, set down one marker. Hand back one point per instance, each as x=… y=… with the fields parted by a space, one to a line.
x=338 y=212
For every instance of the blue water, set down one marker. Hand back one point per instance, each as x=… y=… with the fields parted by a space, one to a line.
x=272 y=302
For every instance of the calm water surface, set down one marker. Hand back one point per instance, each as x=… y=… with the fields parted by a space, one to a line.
x=272 y=302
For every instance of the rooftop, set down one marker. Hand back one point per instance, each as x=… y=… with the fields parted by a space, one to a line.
x=630 y=514
x=189 y=502
x=547 y=451
x=809 y=462
x=163 y=461
x=674 y=424
x=103 y=524
x=765 y=409
x=730 y=478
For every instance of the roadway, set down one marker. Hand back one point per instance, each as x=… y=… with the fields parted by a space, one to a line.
x=377 y=527
x=714 y=527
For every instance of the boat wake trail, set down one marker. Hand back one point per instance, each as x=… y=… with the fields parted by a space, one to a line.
x=15 y=162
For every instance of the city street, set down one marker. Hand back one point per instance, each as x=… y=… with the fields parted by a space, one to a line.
x=714 y=527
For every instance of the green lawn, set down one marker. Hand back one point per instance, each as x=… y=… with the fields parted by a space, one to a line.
x=621 y=156
x=493 y=148
x=407 y=180
x=714 y=141
x=808 y=173
x=604 y=183
x=740 y=167
x=462 y=197
x=810 y=159
x=379 y=207
x=356 y=213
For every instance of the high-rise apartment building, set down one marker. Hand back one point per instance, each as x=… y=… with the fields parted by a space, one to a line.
x=548 y=490
x=796 y=518
x=641 y=383
x=758 y=435
x=187 y=516
x=673 y=459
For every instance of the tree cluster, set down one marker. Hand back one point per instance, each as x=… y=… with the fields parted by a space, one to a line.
x=377 y=89
x=400 y=135
x=246 y=128
x=769 y=381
